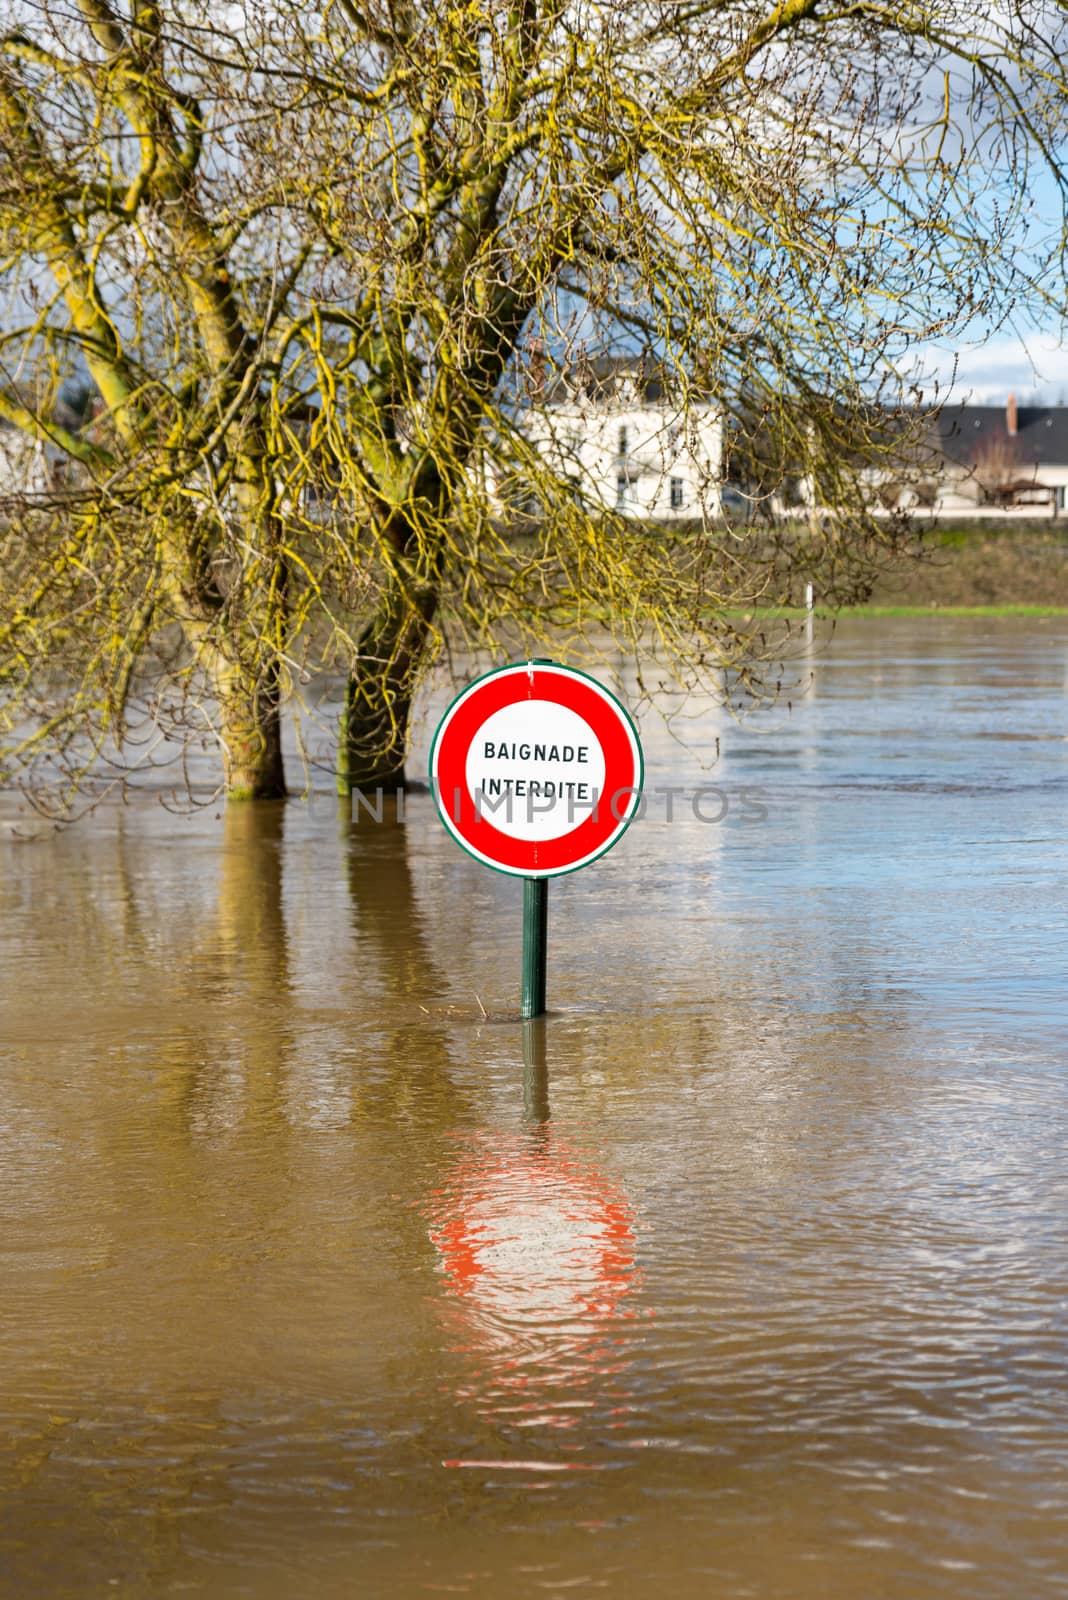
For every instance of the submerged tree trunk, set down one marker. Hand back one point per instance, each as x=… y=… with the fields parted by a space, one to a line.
x=373 y=739
x=252 y=739
x=254 y=626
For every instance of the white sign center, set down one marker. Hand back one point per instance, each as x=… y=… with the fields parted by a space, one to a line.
x=535 y=769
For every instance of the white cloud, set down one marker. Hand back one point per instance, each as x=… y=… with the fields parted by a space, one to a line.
x=1034 y=368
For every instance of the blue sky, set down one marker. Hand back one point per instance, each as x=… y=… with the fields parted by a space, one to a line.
x=1034 y=367
x=1029 y=360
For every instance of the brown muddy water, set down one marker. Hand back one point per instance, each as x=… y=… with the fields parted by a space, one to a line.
x=744 y=1275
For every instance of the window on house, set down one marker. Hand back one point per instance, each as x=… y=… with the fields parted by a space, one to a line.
x=622 y=487
x=622 y=441
x=678 y=494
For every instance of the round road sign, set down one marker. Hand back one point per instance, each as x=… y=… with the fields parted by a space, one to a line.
x=536 y=769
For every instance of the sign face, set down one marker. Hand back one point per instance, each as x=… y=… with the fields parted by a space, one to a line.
x=536 y=769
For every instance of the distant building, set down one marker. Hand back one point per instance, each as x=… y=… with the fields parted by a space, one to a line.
x=613 y=427
x=1007 y=457
x=31 y=467
x=25 y=465
x=978 y=460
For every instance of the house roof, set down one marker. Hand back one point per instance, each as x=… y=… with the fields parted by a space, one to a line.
x=69 y=409
x=604 y=378
x=1041 y=437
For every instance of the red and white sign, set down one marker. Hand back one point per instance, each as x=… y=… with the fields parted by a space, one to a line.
x=536 y=769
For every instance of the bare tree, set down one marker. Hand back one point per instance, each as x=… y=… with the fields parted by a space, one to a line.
x=998 y=467
x=316 y=259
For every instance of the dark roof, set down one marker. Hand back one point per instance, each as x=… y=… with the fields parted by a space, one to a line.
x=1041 y=437
x=68 y=410
x=602 y=377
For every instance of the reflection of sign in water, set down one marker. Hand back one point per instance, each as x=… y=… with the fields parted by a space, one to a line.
x=536 y=769
x=537 y=1248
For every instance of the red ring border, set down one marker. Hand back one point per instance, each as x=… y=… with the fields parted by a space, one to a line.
x=564 y=686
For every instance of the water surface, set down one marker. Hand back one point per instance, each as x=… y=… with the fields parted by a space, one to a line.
x=746 y=1274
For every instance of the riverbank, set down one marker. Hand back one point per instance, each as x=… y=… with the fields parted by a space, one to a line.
x=935 y=609
x=985 y=570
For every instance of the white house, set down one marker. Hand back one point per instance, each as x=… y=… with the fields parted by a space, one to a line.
x=980 y=461
x=1011 y=457
x=25 y=468
x=612 y=425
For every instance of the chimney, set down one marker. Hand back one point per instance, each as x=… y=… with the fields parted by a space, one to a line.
x=1010 y=416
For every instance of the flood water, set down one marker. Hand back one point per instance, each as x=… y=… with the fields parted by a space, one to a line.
x=746 y=1274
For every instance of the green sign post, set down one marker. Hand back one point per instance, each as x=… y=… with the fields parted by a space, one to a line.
x=536 y=770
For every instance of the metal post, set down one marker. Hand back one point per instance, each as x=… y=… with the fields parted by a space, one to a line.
x=535 y=938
